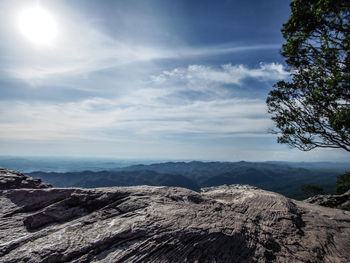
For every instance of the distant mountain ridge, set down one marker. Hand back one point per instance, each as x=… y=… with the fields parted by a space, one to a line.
x=89 y=179
x=75 y=164
x=194 y=175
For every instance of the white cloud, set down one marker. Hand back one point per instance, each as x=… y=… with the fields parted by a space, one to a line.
x=232 y=129
x=226 y=74
x=157 y=107
x=111 y=119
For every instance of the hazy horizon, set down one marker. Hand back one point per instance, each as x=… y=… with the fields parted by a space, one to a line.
x=28 y=164
x=157 y=80
x=155 y=160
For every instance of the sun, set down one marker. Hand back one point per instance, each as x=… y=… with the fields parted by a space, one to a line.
x=37 y=25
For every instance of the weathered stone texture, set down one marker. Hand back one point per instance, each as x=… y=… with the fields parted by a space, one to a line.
x=166 y=224
x=334 y=201
x=15 y=180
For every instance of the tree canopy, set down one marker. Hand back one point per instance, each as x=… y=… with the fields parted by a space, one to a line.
x=343 y=184
x=312 y=108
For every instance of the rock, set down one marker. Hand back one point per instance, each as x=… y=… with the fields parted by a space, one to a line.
x=167 y=224
x=15 y=180
x=334 y=201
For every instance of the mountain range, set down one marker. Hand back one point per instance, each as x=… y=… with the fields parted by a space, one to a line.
x=279 y=177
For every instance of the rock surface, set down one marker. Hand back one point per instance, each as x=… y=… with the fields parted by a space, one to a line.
x=166 y=224
x=15 y=180
x=334 y=201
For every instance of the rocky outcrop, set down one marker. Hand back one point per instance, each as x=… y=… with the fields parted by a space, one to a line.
x=334 y=201
x=15 y=180
x=167 y=224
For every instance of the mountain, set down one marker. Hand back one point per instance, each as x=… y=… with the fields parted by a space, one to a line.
x=282 y=177
x=277 y=177
x=89 y=179
x=237 y=223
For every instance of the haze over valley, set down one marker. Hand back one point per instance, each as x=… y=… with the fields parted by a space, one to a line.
x=282 y=177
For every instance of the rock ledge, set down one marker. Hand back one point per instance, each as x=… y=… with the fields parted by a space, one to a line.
x=333 y=201
x=167 y=224
x=15 y=180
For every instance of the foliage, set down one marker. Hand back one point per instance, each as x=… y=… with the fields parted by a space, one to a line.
x=343 y=184
x=312 y=108
x=311 y=190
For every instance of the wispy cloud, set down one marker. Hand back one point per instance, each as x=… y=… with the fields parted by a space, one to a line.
x=95 y=51
x=227 y=74
x=222 y=49
x=81 y=47
x=128 y=79
x=162 y=106
x=109 y=119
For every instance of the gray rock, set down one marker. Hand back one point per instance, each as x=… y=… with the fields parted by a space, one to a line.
x=334 y=201
x=167 y=224
x=15 y=180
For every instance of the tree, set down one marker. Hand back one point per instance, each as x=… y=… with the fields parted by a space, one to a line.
x=312 y=108
x=343 y=184
x=312 y=190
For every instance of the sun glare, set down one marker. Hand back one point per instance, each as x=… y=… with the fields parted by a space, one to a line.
x=37 y=25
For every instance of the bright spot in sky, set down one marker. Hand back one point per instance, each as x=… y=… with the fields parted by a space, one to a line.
x=37 y=25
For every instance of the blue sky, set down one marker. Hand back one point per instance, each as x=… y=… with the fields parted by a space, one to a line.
x=158 y=79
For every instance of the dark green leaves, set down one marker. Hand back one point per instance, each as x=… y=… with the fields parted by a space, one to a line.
x=343 y=184
x=313 y=109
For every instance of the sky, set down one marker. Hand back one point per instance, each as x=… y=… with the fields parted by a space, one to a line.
x=156 y=79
